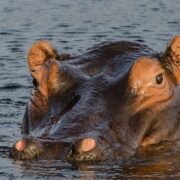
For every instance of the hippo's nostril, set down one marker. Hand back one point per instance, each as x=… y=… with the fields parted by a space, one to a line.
x=20 y=145
x=88 y=144
x=26 y=149
x=87 y=149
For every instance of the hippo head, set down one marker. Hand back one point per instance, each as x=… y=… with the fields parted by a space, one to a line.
x=108 y=102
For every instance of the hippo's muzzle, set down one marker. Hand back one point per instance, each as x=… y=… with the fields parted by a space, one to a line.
x=83 y=150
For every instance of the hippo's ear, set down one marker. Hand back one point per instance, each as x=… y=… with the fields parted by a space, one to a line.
x=39 y=53
x=42 y=61
x=171 y=58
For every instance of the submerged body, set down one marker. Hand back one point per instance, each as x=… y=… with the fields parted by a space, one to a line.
x=103 y=104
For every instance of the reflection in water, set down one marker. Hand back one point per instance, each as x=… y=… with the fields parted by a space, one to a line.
x=73 y=26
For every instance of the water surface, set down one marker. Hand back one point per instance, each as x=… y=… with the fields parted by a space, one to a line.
x=73 y=26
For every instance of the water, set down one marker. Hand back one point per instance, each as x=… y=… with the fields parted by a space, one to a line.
x=73 y=26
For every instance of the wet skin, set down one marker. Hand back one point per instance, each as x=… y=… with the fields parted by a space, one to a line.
x=104 y=104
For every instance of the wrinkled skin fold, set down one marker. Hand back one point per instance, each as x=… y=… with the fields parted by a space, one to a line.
x=106 y=103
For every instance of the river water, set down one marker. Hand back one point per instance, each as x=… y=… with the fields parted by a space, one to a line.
x=73 y=26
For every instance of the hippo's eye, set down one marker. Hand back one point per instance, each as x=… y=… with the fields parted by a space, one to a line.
x=35 y=83
x=159 y=78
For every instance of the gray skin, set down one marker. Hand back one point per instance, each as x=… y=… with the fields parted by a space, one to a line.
x=91 y=97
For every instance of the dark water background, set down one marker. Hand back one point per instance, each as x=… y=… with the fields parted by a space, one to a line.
x=72 y=26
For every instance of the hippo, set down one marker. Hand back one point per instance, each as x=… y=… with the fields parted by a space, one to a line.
x=103 y=104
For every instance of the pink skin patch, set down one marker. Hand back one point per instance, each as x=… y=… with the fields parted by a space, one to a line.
x=88 y=144
x=20 y=145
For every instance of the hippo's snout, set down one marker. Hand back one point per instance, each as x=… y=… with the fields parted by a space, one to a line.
x=83 y=150
x=25 y=149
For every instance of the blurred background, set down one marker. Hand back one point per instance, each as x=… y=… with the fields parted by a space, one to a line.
x=72 y=26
